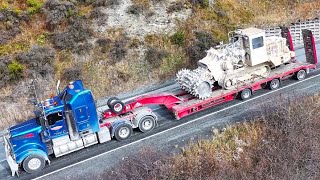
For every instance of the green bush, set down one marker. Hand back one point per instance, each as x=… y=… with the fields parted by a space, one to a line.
x=41 y=40
x=178 y=38
x=34 y=6
x=15 y=70
x=171 y=64
x=4 y=6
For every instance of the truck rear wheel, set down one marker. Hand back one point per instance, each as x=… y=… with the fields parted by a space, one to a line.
x=147 y=123
x=245 y=94
x=33 y=163
x=274 y=84
x=300 y=75
x=115 y=105
x=123 y=131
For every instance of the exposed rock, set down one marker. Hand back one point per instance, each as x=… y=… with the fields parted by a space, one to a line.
x=154 y=21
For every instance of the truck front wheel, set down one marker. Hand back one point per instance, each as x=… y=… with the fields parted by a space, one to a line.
x=33 y=163
x=147 y=123
x=123 y=131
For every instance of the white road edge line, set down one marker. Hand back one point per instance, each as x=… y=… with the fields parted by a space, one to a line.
x=191 y=121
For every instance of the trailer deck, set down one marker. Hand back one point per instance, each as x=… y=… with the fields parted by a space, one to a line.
x=222 y=95
x=182 y=104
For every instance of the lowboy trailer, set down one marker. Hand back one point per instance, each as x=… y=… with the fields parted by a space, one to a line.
x=69 y=121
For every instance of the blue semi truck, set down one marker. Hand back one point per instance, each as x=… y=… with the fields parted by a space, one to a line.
x=66 y=123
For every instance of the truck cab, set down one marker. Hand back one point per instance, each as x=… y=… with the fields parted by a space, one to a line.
x=62 y=124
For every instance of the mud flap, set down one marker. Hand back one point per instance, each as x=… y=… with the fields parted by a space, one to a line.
x=12 y=163
x=309 y=47
x=285 y=33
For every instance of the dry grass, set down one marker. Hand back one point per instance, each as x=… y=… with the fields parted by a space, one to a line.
x=145 y=4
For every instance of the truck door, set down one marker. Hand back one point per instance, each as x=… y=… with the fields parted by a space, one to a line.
x=57 y=126
x=82 y=117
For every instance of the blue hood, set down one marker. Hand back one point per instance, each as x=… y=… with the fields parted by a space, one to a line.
x=25 y=127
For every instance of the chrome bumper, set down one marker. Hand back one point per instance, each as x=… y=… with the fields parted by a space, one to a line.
x=12 y=163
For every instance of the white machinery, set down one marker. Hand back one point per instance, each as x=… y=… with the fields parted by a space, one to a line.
x=249 y=55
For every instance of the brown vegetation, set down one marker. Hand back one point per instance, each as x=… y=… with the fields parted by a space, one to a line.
x=282 y=144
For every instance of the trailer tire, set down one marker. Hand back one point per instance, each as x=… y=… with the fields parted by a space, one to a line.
x=111 y=99
x=33 y=163
x=147 y=123
x=123 y=132
x=245 y=94
x=300 y=75
x=115 y=105
x=274 y=84
x=264 y=85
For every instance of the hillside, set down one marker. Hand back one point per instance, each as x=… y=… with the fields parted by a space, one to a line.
x=116 y=45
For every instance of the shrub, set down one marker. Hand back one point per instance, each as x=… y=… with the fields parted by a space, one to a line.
x=135 y=9
x=34 y=6
x=57 y=12
x=106 y=3
x=77 y=32
x=71 y=74
x=104 y=44
x=178 y=38
x=170 y=65
x=202 y=43
x=155 y=57
x=98 y=15
x=124 y=77
x=41 y=39
x=118 y=50
x=175 y=7
x=4 y=6
x=82 y=49
x=201 y=3
x=4 y=71
x=10 y=25
x=15 y=70
x=38 y=61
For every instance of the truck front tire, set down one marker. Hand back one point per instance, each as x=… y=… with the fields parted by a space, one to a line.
x=33 y=163
x=123 y=131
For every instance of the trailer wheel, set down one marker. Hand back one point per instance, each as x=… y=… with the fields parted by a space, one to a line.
x=124 y=131
x=264 y=85
x=245 y=94
x=147 y=123
x=300 y=75
x=33 y=163
x=274 y=84
x=111 y=99
x=115 y=105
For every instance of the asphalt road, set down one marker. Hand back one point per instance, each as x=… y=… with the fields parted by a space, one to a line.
x=169 y=134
